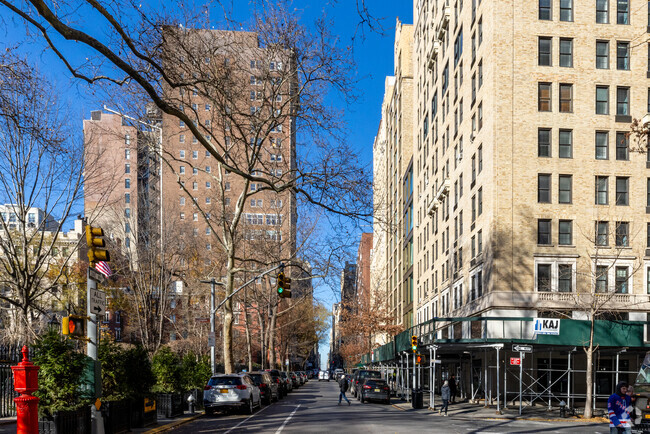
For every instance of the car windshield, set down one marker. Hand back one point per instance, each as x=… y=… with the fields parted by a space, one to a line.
x=224 y=381
x=257 y=378
x=371 y=374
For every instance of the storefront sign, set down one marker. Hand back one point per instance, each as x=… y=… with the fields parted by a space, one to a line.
x=546 y=326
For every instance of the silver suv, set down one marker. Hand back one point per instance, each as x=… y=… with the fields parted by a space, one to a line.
x=231 y=390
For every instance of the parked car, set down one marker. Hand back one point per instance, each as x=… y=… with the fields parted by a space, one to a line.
x=277 y=378
x=301 y=377
x=375 y=389
x=358 y=379
x=338 y=372
x=294 y=379
x=323 y=376
x=231 y=390
x=269 y=389
x=287 y=381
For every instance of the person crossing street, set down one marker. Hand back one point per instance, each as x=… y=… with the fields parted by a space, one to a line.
x=343 y=387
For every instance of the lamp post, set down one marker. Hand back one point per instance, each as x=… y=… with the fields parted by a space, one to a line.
x=212 y=283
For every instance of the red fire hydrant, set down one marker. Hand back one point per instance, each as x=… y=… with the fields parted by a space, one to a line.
x=26 y=382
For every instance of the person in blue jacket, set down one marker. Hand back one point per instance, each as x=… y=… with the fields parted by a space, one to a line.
x=617 y=407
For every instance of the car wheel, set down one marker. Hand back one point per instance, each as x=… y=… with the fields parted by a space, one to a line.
x=361 y=399
x=248 y=408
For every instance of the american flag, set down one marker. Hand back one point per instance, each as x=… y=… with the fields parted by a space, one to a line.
x=103 y=268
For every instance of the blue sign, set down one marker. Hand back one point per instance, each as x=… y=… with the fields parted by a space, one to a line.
x=546 y=326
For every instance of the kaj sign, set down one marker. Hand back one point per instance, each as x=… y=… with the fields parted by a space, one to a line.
x=546 y=326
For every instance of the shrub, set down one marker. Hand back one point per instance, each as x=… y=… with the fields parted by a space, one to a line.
x=61 y=373
x=126 y=371
x=195 y=371
x=167 y=370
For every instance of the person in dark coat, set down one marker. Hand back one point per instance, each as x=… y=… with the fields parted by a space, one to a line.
x=445 y=393
x=343 y=387
x=452 y=389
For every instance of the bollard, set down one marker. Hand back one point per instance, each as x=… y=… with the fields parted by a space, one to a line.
x=25 y=383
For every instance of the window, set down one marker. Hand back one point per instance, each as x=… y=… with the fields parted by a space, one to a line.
x=601 y=278
x=545 y=10
x=480 y=158
x=602 y=233
x=648 y=193
x=544 y=97
x=602 y=11
x=602 y=100
x=127 y=197
x=480 y=74
x=226 y=186
x=458 y=47
x=602 y=54
x=622 y=11
x=565 y=277
x=566 y=98
x=544 y=277
x=127 y=183
x=622 y=234
x=480 y=201
x=195 y=154
x=544 y=51
x=479 y=240
x=565 y=186
x=566 y=144
x=195 y=170
x=602 y=186
x=181 y=170
x=544 y=188
x=544 y=231
x=622 y=190
x=647 y=244
x=182 y=201
x=127 y=212
x=623 y=101
x=602 y=145
x=127 y=154
x=621 y=280
x=623 y=55
x=544 y=142
x=566 y=52
x=182 y=216
x=566 y=10
x=195 y=185
x=622 y=148
x=565 y=233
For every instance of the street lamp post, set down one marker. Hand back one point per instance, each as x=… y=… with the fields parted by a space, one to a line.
x=213 y=338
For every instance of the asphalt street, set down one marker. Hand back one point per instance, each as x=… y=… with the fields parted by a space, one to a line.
x=313 y=409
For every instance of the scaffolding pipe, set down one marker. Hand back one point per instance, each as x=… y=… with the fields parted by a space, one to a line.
x=498 y=363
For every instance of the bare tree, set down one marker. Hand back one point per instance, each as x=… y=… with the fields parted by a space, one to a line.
x=40 y=175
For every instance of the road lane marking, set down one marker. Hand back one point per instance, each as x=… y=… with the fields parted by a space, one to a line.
x=287 y=419
x=244 y=421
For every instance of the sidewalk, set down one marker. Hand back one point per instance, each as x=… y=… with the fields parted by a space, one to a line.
x=473 y=411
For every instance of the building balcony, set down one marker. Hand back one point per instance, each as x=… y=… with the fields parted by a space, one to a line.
x=433 y=206
x=443 y=190
x=433 y=54
x=445 y=15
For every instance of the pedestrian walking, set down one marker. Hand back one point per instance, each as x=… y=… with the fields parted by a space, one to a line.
x=445 y=393
x=343 y=387
x=617 y=407
x=452 y=389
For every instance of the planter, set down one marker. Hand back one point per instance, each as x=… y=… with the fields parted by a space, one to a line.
x=66 y=422
x=169 y=404
x=143 y=412
x=117 y=416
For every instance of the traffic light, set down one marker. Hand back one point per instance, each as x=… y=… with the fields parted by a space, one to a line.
x=284 y=285
x=420 y=359
x=414 y=343
x=74 y=326
x=94 y=241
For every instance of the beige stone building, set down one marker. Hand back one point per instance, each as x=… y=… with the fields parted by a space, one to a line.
x=526 y=193
x=393 y=150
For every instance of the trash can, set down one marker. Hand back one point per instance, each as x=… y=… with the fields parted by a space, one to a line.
x=417 y=399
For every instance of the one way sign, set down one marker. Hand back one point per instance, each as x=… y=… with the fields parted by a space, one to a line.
x=97 y=302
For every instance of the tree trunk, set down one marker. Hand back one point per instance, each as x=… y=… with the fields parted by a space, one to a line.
x=249 y=350
x=590 y=372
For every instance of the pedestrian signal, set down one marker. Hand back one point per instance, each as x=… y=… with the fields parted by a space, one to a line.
x=74 y=326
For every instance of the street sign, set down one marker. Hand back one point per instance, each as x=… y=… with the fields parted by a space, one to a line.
x=286 y=362
x=515 y=361
x=96 y=276
x=211 y=342
x=522 y=348
x=202 y=320
x=97 y=302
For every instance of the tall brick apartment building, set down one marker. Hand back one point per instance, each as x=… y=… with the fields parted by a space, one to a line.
x=239 y=97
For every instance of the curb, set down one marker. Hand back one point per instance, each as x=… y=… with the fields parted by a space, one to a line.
x=537 y=419
x=7 y=421
x=174 y=424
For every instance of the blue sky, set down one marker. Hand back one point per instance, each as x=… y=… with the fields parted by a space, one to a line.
x=373 y=54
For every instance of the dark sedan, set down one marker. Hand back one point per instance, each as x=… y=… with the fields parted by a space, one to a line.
x=375 y=389
x=277 y=377
x=268 y=388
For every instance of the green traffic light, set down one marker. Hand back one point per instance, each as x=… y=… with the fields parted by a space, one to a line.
x=280 y=290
